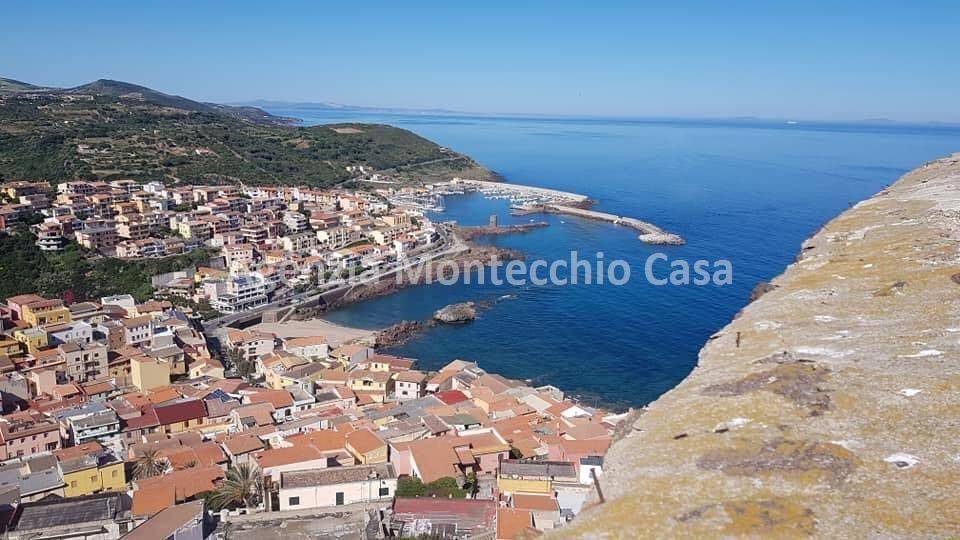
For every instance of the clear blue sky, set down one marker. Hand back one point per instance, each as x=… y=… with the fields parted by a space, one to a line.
x=808 y=60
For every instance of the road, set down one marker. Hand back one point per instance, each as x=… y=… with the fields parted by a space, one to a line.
x=449 y=244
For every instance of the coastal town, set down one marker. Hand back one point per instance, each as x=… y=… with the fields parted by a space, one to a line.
x=179 y=416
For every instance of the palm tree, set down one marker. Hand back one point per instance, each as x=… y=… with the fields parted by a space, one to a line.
x=151 y=463
x=242 y=486
x=189 y=465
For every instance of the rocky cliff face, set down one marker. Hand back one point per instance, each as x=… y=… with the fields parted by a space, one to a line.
x=829 y=407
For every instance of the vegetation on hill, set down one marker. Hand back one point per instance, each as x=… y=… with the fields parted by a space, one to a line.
x=109 y=129
x=72 y=275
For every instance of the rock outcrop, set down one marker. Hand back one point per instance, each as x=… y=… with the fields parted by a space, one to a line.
x=456 y=313
x=830 y=407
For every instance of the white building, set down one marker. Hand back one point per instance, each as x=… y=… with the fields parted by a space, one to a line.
x=236 y=293
x=337 y=486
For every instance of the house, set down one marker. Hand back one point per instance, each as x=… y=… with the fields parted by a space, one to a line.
x=366 y=447
x=180 y=416
x=252 y=416
x=137 y=330
x=427 y=459
x=109 y=514
x=314 y=347
x=544 y=509
x=281 y=400
x=275 y=461
x=156 y=493
x=89 y=469
x=336 y=486
x=514 y=523
x=250 y=345
x=451 y=518
x=369 y=381
x=180 y=522
x=533 y=477
x=33 y=478
x=409 y=385
x=27 y=433
x=148 y=373
x=88 y=422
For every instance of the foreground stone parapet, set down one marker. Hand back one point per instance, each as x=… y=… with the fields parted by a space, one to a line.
x=829 y=407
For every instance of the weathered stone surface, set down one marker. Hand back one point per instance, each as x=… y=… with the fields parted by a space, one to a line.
x=456 y=313
x=830 y=407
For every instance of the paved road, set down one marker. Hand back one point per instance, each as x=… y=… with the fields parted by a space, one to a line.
x=448 y=244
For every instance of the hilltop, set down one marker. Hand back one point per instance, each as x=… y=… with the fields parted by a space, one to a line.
x=828 y=406
x=111 y=129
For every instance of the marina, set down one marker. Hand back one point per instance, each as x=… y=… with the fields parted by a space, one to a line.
x=527 y=200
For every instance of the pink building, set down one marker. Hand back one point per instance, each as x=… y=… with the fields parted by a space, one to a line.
x=27 y=433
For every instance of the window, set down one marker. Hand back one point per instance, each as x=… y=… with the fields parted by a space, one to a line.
x=113 y=473
x=73 y=484
x=339 y=498
x=385 y=492
x=293 y=501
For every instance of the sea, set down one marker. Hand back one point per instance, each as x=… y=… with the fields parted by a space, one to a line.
x=748 y=192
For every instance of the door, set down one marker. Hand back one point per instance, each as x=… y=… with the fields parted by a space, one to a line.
x=339 y=498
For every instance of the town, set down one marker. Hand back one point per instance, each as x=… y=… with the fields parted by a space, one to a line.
x=129 y=417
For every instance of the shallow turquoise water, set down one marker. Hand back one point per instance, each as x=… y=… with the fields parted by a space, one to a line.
x=746 y=193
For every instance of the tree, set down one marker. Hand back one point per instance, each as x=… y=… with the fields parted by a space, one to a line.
x=242 y=486
x=445 y=487
x=151 y=463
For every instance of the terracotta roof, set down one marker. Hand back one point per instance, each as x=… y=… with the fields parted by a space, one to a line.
x=513 y=522
x=276 y=457
x=588 y=431
x=242 y=443
x=167 y=522
x=412 y=376
x=305 y=341
x=364 y=441
x=149 y=501
x=535 y=502
x=278 y=398
x=187 y=482
x=435 y=458
x=327 y=440
x=163 y=394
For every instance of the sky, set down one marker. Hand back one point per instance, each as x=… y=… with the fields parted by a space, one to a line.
x=807 y=60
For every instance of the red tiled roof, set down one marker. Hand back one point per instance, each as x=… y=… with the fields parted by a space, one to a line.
x=451 y=397
x=180 y=412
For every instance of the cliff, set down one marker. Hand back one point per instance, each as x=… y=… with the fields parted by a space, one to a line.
x=829 y=407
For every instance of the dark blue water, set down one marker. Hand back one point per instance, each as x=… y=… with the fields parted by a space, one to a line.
x=746 y=193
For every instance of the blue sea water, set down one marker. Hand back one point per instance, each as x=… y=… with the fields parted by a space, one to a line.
x=746 y=192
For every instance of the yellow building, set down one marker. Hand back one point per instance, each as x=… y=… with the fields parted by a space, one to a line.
x=148 y=373
x=365 y=380
x=9 y=347
x=520 y=485
x=34 y=339
x=45 y=312
x=366 y=447
x=86 y=475
x=533 y=477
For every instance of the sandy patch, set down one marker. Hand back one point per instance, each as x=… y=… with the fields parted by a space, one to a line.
x=336 y=334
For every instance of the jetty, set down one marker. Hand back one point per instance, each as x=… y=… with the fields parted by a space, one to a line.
x=649 y=233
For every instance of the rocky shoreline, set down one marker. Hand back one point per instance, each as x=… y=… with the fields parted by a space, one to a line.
x=466 y=260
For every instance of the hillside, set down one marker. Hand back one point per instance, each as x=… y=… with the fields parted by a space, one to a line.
x=110 y=129
x=828 y=407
